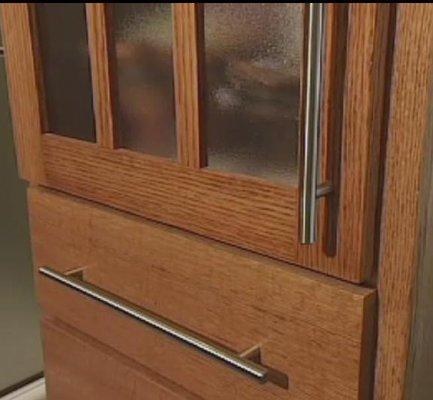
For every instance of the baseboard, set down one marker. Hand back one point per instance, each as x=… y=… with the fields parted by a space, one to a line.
x=32 y=391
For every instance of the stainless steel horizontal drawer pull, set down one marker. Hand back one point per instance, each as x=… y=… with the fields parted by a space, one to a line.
x=230 y=358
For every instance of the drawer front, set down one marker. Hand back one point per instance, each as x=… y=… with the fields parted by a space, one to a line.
x=79 y=367
x=315 y=330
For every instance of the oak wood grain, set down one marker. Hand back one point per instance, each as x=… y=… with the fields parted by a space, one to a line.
x=364 y=102
x=315 y=329
x=406 y=185
x=23 y=89
x=188 y=81
x=333 y=107
x=246 y=212
x=100 y=39
x=79 y=367
x=420 y=384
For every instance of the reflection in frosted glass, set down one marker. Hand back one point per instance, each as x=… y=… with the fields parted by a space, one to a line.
x=143 y=42
x=253 y=57
x=64 y=51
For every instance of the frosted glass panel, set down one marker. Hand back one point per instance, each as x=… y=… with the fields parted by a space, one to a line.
x=253 y=55
x=64 y=51
x=143 y=43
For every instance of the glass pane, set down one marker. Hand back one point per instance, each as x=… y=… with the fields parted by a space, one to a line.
x=66 y=69
x=143 y=42
x=253 y=55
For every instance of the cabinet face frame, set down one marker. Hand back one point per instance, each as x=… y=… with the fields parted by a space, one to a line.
x=247 y=212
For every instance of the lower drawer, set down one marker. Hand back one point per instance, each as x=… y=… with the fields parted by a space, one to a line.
x=314 y=330
x=78 y=367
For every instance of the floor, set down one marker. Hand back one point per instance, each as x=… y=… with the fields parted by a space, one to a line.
x=33 y=391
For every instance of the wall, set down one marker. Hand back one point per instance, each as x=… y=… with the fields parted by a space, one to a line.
x=20 y=349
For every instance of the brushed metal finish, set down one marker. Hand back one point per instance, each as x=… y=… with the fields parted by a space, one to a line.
x=323 y=190
x=254 y=370
x=312 y=123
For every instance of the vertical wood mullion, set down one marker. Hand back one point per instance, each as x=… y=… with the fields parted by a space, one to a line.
x=187 y=52
x=100 y=45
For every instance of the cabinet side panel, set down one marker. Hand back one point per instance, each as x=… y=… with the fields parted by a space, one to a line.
x=421 y=383
x=23 y=89
x=406 y=186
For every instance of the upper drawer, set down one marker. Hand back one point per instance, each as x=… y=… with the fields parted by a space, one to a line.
x=192 y=115
x=315 y=330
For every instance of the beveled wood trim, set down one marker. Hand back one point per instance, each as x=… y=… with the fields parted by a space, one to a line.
x=364 y=105
x=406 y=185
x=101 y=51
x=23 y=89
x=188 y=53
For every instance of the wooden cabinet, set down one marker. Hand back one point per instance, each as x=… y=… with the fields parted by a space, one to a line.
x=83 y=368
x=314 y=333
x=224 y=163
x=226 y=197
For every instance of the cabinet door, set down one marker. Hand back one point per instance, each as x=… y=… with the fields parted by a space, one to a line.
x=229 y=120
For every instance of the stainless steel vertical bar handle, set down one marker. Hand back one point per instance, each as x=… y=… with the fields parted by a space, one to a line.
x=310 y=189
x=248 y=367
